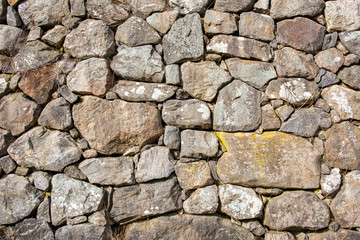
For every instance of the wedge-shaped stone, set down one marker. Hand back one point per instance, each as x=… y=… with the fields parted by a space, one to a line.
x=82 y=231
x=291 y=8
x=55 y=36
x=271 y=159
x=110 y=12
x=198 y=144
x=342 y=15
x=162 y=21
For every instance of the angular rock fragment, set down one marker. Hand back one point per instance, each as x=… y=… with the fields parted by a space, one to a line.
x=43 y=211
x=172 y=137
x=32 y=228
x=269 y=119
x=7 y=164
x=5 y=140
x=351 y=76
x=193 y=175
x=162 y=21
x=219 y=22
x=234 y=5
x=350 y=40
x=257 y=26
x=342 y=15
x=326 y=78
x=331 y=235
x=4 y=84
x=2 y=10
x=202 y=201
x=330 y=59
x=77 y=8
x=289 y=8
x=110 y=12
x=189 y=6
x=82 y=231
x=144 y=8
x=55 y=36
x=331 y=183
x=198 y=144
x=274 y=235
x=9 y=37
x=56 y=115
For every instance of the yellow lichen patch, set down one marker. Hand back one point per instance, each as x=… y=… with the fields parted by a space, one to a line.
x=220 y=136
x=48 y=193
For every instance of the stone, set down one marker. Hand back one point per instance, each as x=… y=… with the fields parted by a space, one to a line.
x=43 y=211
x=106 y=10
x=141 y=92
x=98 y=218
x=12 y=17
x=74 y=172
x=5 y=63
x=216 y=22
x=341 y=148
x=114 y=126
x=22 y=171
x=82 y=232
x=269 y=119
x=262 y=6
x=330 y=59
x=288 y=8
x=351 y=76
x=203 y=80
x=35 y=33
x=66 y=93
x=5 y=140
x=18 y=199
x=198 y=144
x=343 y=100
x=274 y=235
x=297 y=210
x=184 y=41
x=270 y=159
x=7 y=164
x=77 y=8
x=32 y=149
x=254 y=73
x=233 y=6
x=330 y=235
x=330 y=184
x=13 y=84
x=4 y=85
x=202 y=201
x=145 y=200
x=55 y=36
x=241 y=47
x=162 y=21
x=41 y=180
x=76 y=220
x=350 y=41
x=326 y=78
x=237 y=108
x=33 y=55
x=71 y=198
x=144 y=8
x=56 y=115
x=345 y=206
x=172 y=137
x=32 y=228
x=257 y=26
x=116 y=171
x=18 y=114
x=3 y=7
x=239 y=202
x=330 y=40
x=190 y=113
x=269 y=191
x=43 y=13
x=351 y=59
x=172 y=74
x=10 y=37
x=193 y=175
x=138 y=63
x=92 y=38
x=343 y=15
x=90 y=153
x=189 y=6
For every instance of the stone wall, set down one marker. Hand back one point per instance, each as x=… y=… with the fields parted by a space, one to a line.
x=179 y=119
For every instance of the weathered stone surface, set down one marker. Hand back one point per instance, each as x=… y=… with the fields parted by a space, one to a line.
x=43 y=13
x=343 y=154
x=32 y=149
x=296 y=211
x=331 y=183
x=271 y=159
x=239 y=47
x=331 y=235
x=7 y=164
x=9 y=37
x=43 y=211
x=5 y=140
x=193 y=175
x=18 y=113
x=82 y=232
x=77 y=8
x=108 y=11
x=190 y=113
x=4 y=84
x=233 y=6
x=257 y=26
x=144 y=8
x=184 y=41
x=274 y=235
x=172 y=74
x=115 y=126
x=239 y=202
x=172 y=137
x=71 y=198
x=4 y=63
x=41 y=180
x=198 y=144
x=92 y=38
x=330 y=59
x=144 y=200
x=269 y=119
x=162 y=21
x=203 y=80
x=351 y=76
x=74 y=172
x=330 y=40
x=219 y=22
x=66 y=93
x=288 y=8
x=343 y=100
x=237 y=108
x=109 y=170
x=154 y=163
x=203 y=200
x=254 y=73
x=56 y=115
x=55 y=36
x=32 y=228
x=350 y=40
x=98 y=218
x=141 y=92
x=189 y=6
x=3 y=6
x=138 y=63
x=18 y=199
x=342 y=15
x=326 y=78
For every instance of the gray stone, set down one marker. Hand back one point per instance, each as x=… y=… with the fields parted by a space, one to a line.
x=13 y=17
x=298 y=210
x=41 y=180
x=254 y=226
x=74 y=172
x=98 y=218
x=269 y=119
x=55 y=36
x=274 y=235
x=66 y=93
x=32 y=149
x=262 y=6
x=216 y=22
x=43 y=211
x=35 y=33
x=18 y=199
x=189 y=6
x=330 y=235
x=76 y=220
x=269 y=191
x=237 y=108
x=330 y=40
x=3 y=6
x=32 y=228
x=330 y=183
x=193 y=175
x=144 y=8
x=145 y=200
x=330 y=59
x=4 y=85
x=71 y=22
x=56 y=115
x=233 y=6
x=202 y=201
x=184 y=41
x=9 y=37
x=162 y=21
x=288 y=8
x=350 y=41
x=13 y=84
x=257 y=26
x=342 y=15
x=5 y=140
x=198 y=144
x=172 y=74
x=351 y=76
x=138 y=63
x=109 y=11
x=77 y=8
x=172 y=137
x=203 y=80
x=326 y=78
x=239 y=202
x=7 y=164
x=82 y=232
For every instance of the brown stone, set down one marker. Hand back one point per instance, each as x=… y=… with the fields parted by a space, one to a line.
x=330 y=59
x=219 y=22
x=257 y=26
x=234 y=5
x=269 y=119
x=193 y=175
x=331 y=235
x=342 y=15
x=162 y=21
x=5 y=140
x=289 y=8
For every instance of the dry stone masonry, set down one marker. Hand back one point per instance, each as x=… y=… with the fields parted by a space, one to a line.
x=180 y=119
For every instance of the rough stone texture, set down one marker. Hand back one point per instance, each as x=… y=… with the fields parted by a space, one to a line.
x=198 y=144
x=18 y=199
x=115 y=126
x=254 y=73
x=3 y=10
x=326 y=78
x=108 y=170
x=5 y=140
x=144 y=8
x=237 y=108
x=239 y=47
x=32 y=228
x=331 y=183
x=351 y=76
x=138 y=63
x=7 y=164
x=55 y=36
x=172 y=137
x=269 y=119
x=71 y=198
x=41 y=180
x=32 y=149
x=43 y=211
x=254 y=226
x=77 y=8
x=296 y=211
x=330 y=59
x=108 y=11
x=350 y=41
x=331 y=235
x=233 y=6
x=9 y=38
x=66 y=93
x=162 y=21
x=293 y=63
x=274 y=235
x=144 y=200
x=190 y=113
x=239 y=202
x=202 y=201
x=56 y=115
x=330 y=40
x=257 y=26
x=189 y=6
x=216 y=22
x=342 y=15
x=98 y=218
x=193 y=175
x=74 y=172
x=288 y=8
x=203 y=80
x=271 y=159
x=4 y=84
x=184 y=41
x=141 y=92
x=154 y=163
x=18 y=113
x=82 y=232
x=92 y=38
